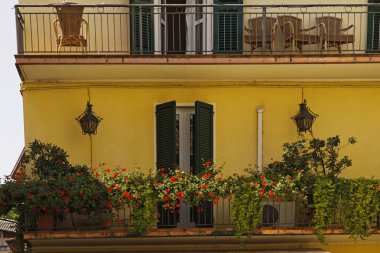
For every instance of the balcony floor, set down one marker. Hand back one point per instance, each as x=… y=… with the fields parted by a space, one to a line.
x=211 y=69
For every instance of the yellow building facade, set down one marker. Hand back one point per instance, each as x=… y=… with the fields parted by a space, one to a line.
x=253 y=95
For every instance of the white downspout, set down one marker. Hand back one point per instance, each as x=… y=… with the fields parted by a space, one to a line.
x=260 y=111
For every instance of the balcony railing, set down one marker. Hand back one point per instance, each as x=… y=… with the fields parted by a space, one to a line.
x=277 y=215
x=198 y=29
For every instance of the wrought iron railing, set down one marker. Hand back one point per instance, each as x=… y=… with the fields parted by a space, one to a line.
x=198 y=29
x=286 y=215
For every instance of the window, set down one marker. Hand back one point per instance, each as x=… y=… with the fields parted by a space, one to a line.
x=373 y=30
x=184 y=138
x=193 y=29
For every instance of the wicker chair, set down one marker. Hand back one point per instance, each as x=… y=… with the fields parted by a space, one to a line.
x=296 y=36
x=334 y=33
x=69 y=20
x=255 y=37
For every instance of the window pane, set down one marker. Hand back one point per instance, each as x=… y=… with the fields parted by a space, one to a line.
x=199 y=10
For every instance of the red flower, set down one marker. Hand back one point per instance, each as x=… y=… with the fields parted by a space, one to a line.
x=210 y=194
x=262 y=176
x=61 y=193
x=262 y=195
x=299 y=171
x=220 y=178
x=205 y=186
x=172 y=179
x=230 y=198
x=217 y=198
x=117 y=188
x=263 y=183
x=208 y=163
x=274 y=182
x=206 y=176
x=109 y=189
x=271 y=193
x=81 y=193
x=136 y=207
x=66 y=200
x=123 y=169
x=155 y=182
x=97 y=174
x=167 y=190
x=69 y=178
x=278 y=198
x=166 y=198
x=162 y=169
x=127 y=195
x=107 y=170
x=163 y=174
x=262 y=189
x=108 y=203
x=115 y=174
x=378 y=187
x=179 y=195
x=29 y=196
x=167 y=205
x=178 y=205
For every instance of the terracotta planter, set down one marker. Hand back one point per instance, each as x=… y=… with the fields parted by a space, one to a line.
x=46 y=221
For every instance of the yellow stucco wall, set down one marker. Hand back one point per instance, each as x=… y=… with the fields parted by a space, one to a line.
x=126 y=136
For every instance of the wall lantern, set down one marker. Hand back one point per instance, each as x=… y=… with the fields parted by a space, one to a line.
x=305 y=118
x=89 y=121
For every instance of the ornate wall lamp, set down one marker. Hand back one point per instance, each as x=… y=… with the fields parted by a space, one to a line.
x=89 y=121
x=305 y=118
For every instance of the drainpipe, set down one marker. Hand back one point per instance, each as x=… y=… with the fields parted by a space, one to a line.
x=260 y=111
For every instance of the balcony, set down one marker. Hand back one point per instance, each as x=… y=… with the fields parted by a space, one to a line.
x=254 y=40
x=198 y=29
x=279 y=217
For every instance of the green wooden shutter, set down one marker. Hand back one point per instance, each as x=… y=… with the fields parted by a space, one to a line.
x=202 y=215
x=228 y=28
x=373 y=30
x=166 y=153
x=147 y=28
x=166 y=134
x=203 y=133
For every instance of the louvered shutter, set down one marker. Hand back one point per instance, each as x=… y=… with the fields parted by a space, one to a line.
x=373 y=30
x=166 y=134
x=166 y=153
x=142 y=38
x=228 y=28
x=203 y=133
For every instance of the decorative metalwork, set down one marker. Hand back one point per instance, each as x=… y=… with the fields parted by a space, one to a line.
x=89 y=121
x=305 y=118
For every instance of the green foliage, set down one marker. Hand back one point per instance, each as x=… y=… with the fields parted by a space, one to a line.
x=48 y=161
x=325 y=156
x=361 y=205
x=144 y=213
x=247 y=209
x=324 y=203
